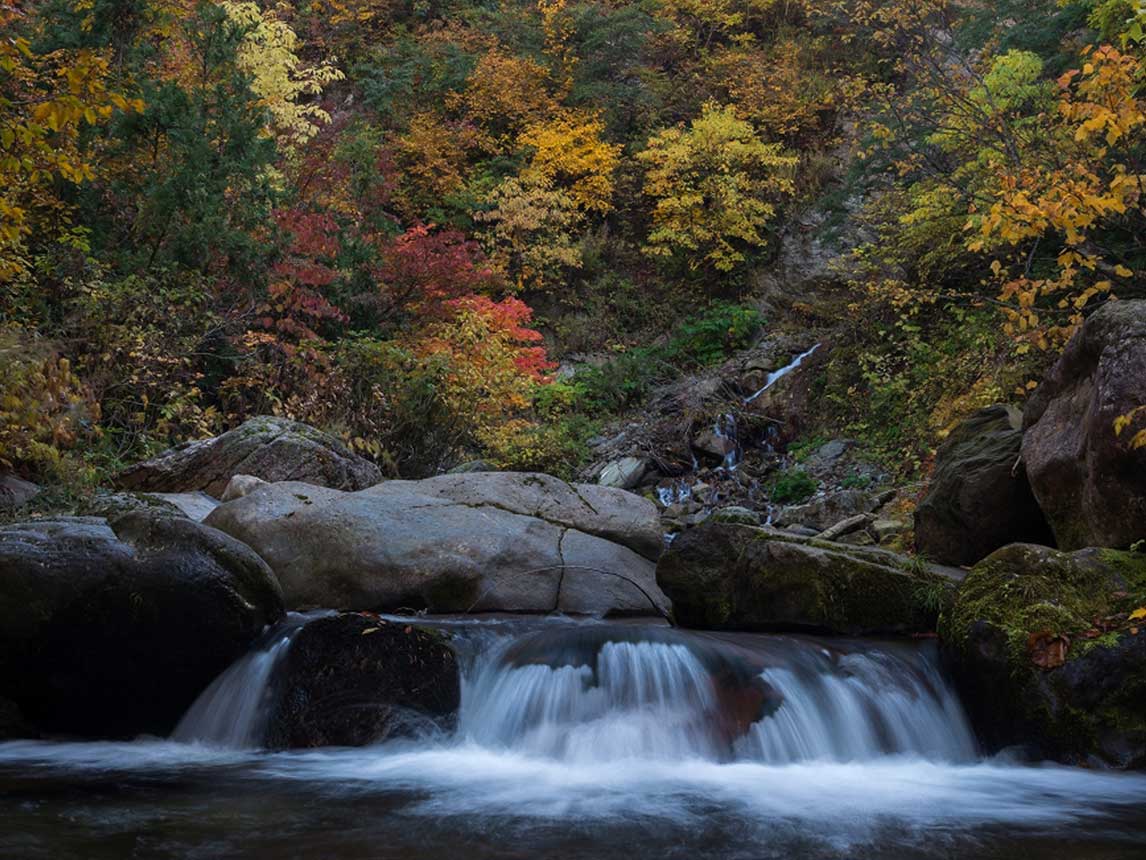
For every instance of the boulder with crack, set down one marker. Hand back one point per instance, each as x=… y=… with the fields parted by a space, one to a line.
x=478 y=542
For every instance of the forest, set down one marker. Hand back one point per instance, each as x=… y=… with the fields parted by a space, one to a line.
x=491 y=227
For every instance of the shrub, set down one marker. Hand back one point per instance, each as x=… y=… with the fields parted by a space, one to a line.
x=793 y=487
x=44 y=408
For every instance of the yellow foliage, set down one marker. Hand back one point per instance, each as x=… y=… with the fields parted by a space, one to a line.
x=269 y=54
x=45 y=101
x=504 y=93
x=713 y=185
x=43 y=405
x=532 y=232
x=568 y=153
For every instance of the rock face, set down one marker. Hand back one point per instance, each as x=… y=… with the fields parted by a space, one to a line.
x=1089 y=482
x=979 y=498
x=481 y=542
x=736 y=577
x=15 y=492
x=111 y=630
x=355 y=679
x=1045 y=652
x=273 y=449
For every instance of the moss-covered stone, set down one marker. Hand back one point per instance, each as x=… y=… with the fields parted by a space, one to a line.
x=1094 y=703
x=731 y=576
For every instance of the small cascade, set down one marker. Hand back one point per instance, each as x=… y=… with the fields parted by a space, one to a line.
x=232 y=711
x=858 y=707
x=726 y=430
x=675 y=493
x=607 y=692
x=776 y=375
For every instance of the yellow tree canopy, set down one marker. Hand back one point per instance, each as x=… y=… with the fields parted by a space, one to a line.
x=712 y=185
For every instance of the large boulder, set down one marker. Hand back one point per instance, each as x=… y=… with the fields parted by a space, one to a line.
x=1088 y=478
x=1047 y=651
x=356 y=679
x=735 y=577
x=481 y=542
x=273 y=449
x=979 y=498
x=112 y=629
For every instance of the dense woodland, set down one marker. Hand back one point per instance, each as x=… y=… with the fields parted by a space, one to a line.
x=393 y=220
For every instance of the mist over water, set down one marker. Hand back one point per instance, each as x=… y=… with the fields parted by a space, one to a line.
x=591 y=740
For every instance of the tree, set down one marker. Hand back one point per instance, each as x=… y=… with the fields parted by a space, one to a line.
x=46 y=101
x=532 y=232
x=713 y=187
x=268 y=53
x=568 y=153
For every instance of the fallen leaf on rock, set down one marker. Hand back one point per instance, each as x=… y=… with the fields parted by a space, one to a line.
x=1047 y=649
x=1138 y=614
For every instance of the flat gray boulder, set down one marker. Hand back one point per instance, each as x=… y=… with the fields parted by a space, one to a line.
x=273 y=449
x=480 y=542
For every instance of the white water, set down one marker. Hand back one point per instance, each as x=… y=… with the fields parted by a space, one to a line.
x=232 y=711
x=725 y=428
x=616 y=736
x=776 y=375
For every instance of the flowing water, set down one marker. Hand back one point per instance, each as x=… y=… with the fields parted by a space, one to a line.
x=587 y=740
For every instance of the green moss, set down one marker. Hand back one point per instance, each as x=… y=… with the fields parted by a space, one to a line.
x=1026 y=589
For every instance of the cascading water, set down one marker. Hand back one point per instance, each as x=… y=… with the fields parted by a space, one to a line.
x=725 y=429
x=776 y=375
x=232 y=711
x=580 y=740
x=601 y=694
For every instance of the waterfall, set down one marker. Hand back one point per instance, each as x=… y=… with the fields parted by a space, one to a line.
x=776 y=375
x=232 y=711
x=604 y=693
x=725 y=428
x=600 y=692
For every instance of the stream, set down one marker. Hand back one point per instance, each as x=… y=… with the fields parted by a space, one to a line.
x=586 y=739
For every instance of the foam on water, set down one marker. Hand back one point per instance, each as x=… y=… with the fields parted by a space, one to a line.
x=772 y=739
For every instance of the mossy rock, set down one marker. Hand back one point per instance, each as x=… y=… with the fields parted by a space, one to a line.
x=736 y=577
x=1046 y=654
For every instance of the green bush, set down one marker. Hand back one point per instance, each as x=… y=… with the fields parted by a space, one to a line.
x=700 y=342
x=793 y=487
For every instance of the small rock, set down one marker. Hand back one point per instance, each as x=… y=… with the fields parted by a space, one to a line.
x=802 y=531
x=624 y=474
x=710 y=442
x=844 y=527
x=241 y=485
x=736 y=514
x=16 y=492
x=194 y=506
x=473 y=466
x=886 y=529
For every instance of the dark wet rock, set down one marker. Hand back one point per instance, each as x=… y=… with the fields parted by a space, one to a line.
x=735 y=577
x=473 y=466
x=15 y=492
x=824 y=511
x=479 y=542
x=1088 y=478
x=273 y=449
x=112 y=630
x=356 y=679
x=979 y=499
x=1045 y=652
x=846 y=527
